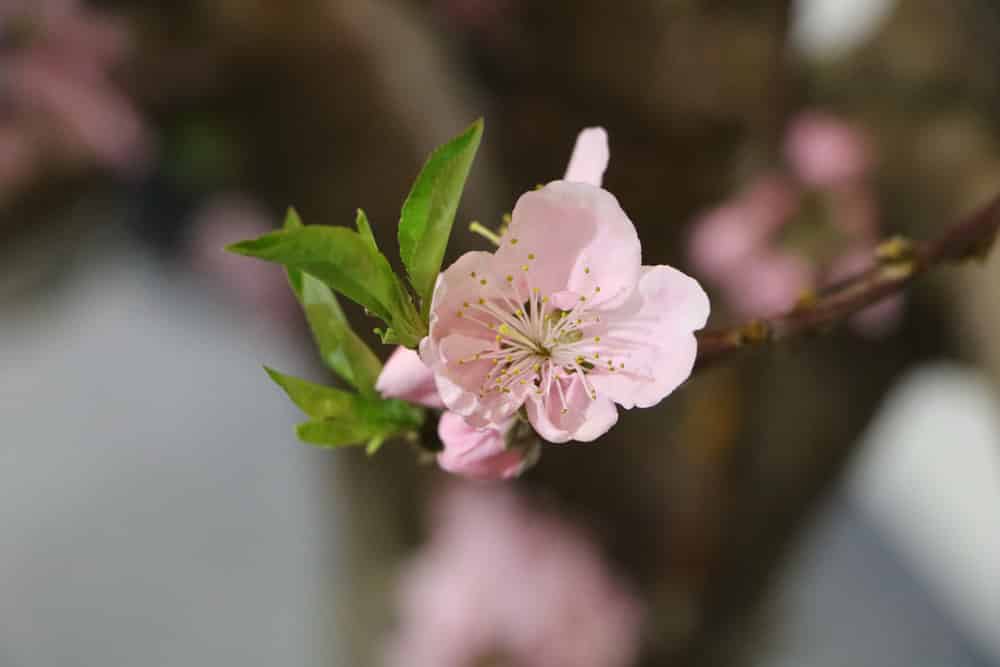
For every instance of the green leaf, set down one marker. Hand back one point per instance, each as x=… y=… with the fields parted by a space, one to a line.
x=429 y=210
x=347 y=263
x=341 y=418
x=365 y=229
x=315 y=400
x=341 y=349
x=333 y=433
x=374 y=445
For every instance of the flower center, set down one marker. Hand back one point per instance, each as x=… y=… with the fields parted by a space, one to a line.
x=536 y=346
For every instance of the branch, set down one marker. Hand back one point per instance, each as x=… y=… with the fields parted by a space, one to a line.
x=899 y=261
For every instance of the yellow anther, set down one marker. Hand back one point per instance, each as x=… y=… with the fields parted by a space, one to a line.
x=586 y=269
x=531 y=255
x=597 y=339
x=482 y=301
x=513 y=241
x=597 y=289
x=483 y=281
x=510 y=278
x=472 y=275
x=524 y=267
x=458 y=314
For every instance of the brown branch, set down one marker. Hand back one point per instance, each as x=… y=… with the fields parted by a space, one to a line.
x=899 y=262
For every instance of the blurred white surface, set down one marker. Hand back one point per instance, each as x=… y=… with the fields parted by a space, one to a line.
x=929 y=478
x=901 y=568
x=828 y=29
x=155 y=507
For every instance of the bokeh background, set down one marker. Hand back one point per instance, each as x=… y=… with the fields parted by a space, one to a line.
x=827 y=502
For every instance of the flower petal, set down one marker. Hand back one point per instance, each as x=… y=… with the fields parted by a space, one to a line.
x=573 y=237
x=581 y=418
x=406 y=377
x=590 y=157
x=477 y=453
x=658 y=337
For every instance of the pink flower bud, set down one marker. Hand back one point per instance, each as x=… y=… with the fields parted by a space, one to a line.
x=480 y=453
x=406 y=377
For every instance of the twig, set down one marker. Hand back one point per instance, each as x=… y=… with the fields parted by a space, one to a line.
x=899 y=261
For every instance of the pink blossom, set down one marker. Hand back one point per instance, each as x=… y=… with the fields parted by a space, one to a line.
x=405 y=376
x=225 y=219
x=501 y=580
x=765 y=247
x=770 y=283
x=562 y=319
x=825 y=151
x=480 y=453
x=59 y=90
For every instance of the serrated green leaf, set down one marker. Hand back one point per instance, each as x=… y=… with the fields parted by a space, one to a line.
x=429 y=211
x=347 y=263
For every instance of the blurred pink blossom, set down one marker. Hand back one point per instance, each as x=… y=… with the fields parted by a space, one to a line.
x=826 y=152
x=55 y=67
x=748 y=246
x=226 y=219
x=501 y=580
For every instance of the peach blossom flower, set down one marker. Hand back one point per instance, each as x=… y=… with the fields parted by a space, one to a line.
x=563 y=318
x=500 y=580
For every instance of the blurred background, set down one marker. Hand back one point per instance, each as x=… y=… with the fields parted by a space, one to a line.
x=827 y=502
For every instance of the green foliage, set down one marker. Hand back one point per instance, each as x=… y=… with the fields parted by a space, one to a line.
x=340 y=418
x=346 y=262
x=321 y=261
x=429 y=211
x=341 y=349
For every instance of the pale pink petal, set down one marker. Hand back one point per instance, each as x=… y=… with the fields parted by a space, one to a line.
x=657 y=344
x=406 y=377
x=581 y=417
x=572 y=237
x=590 y=157
x=477 y=453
